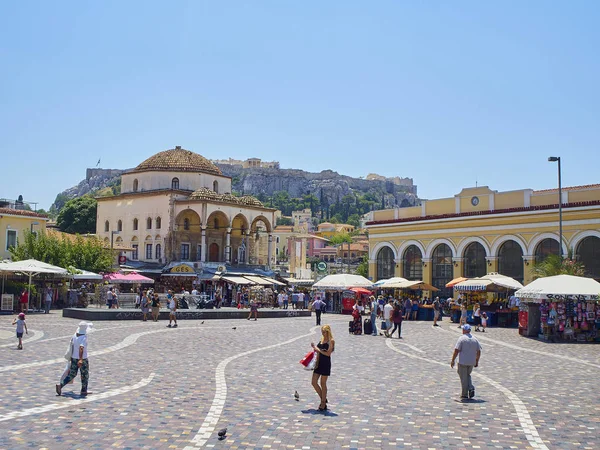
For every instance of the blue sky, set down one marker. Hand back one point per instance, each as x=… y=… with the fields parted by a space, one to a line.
x=448 y=93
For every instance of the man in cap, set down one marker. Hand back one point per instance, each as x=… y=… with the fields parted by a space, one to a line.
x=79 y=358
x=468 y=350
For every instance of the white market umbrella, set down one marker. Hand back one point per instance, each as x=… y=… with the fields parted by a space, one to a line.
x=502 y=281
x=560 y=287
x=86 y=275
x=342 y=281
x=473 y=284
x=33 y=267
x=383 y=284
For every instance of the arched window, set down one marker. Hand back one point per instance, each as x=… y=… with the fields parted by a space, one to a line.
x=158 y=223
x=106 y=226
x=413 y=263
x=442 y=269
x=474 y=261
x=158 y=251
x=175 y=183
x=149 y=223
x=135 y=224
x=510 y=260
x=119 y=226
x=216 y=186
x=546 y=247
x=135 y=185
x=588 y=252
x=385 y=263
x=186 y=224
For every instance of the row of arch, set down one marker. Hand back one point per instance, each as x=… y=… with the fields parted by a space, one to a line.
x=174 y=184
x=189 y=220
x=135 y=224
x=152 y=246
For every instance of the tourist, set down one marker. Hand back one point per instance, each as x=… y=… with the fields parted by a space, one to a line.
x=48 y=298
x=374 y=309
x=79 y=358
x=477 y=316
x=436 y=311
x=294 y=301
x=24 y=300
x=468 y=350
x=381 y=302
x=397 y=320
x=21 y=325
x=407 y=308
x=322 y=370
x=415 y=309
x=356 y=319
x=138 y=298
x=318 y=305
x=253 y=309
x=484 y=320
x=280 y=300
x=172 y=304
x=387 y=316
x=155 y=306
x=301 y=300
x=145 y=305
x=285 y=300
x=463 y=313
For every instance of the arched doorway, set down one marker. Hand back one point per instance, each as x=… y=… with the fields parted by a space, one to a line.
x=474 y=261
x=442 y=269
x=510 y=260
x=588 y=252
x=413 y=263
x=213 y=252
x=547 y=247
x=385 y=263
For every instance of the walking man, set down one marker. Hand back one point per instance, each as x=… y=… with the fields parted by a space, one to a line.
x=48 y=300
x=79 y=359
x=374 y=308
x=172 y=311
x=436 y=311
x=318 y=306
x=387 y=316
x=468 y=350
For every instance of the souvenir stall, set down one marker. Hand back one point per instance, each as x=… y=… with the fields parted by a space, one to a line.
x=401 y=288
x=334 y=287
x=562 y=307
x=81 y=291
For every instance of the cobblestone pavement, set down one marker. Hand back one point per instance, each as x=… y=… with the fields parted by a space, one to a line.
x=154 y=387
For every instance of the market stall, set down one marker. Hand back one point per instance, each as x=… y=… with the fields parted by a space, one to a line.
x=561 y=307
x=411 y=289
x=333 y=287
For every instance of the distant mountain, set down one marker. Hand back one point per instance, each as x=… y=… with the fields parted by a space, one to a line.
x=328 y=186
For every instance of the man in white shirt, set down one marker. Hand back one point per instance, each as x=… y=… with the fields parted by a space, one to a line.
x=468 y=350
x=374 y=309
x=387 y=316
x=280 y=300
x=79 y=359
x=301 y=300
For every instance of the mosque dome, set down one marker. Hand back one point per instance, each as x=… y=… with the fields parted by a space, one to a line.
x=204 y=194
x=178 y=160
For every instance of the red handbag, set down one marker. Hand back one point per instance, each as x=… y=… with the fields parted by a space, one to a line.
x=307 y=358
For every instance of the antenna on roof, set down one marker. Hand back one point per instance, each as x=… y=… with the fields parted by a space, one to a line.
x=475 y=181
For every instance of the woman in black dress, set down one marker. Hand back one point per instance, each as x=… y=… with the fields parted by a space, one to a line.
x=323 y=369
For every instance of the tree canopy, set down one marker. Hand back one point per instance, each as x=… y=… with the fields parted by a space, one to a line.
x=81 y=253
x=78 y=216
x=554 y=265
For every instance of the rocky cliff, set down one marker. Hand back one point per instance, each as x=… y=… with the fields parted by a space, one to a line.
x=327 y=185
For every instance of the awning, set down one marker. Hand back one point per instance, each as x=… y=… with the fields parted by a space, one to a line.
x=86 y=275
x=237 y=280
x=263 y=281
x=299 y=281
x=473 y=285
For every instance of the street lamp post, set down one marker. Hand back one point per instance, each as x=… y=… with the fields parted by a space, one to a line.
x=560 y=233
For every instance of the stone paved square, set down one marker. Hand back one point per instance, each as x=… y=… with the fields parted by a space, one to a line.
x=159 y=388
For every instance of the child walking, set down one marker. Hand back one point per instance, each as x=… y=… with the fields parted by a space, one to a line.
x=21 y=325
x=484 y=319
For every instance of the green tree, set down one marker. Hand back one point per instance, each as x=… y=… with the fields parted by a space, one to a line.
x=554 y=265
x=78 y=216
x=82 y=253
x=354 y=220
x=363 y=267
x=285 y=221
x=342 y=238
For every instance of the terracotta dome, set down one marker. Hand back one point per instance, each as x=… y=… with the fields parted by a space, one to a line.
x=250 y=201
x=204 y=194
x=178 y=160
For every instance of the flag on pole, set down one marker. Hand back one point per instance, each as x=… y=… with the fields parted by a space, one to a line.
x=98 y=163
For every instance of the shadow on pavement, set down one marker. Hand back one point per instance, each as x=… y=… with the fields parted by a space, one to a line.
x=320 y=413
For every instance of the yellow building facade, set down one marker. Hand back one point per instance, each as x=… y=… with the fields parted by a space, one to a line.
x=14 y=223
x=480 y=231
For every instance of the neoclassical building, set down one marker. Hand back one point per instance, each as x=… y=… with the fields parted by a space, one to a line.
x=479 y=231
x=177 y=206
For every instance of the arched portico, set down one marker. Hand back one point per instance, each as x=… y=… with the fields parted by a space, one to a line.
x=433 y=244
x=533 y=244
x=379 y=246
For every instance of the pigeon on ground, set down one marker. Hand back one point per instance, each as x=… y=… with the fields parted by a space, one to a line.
x=296 y=396
x=234 y=328
x=202 y=323
x=222 y=433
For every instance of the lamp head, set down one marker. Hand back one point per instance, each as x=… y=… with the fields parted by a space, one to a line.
x=553 y=158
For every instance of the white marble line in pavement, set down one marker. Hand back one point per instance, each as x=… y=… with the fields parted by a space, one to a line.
x=214 y=414
x=529 y=429
x=412 y=347
x=530 y=350
x=37 y=335
x=76 y=402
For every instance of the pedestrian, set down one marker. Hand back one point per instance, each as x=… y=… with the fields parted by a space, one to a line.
x=145 y=305
x=301 y=304
x=79 y=358
x=415 y=309
x=484 y=320
x=322 y=370
x=463 y=313
x=24 y=300
x=172 y=310
x=356 y=319
x=436 y=311
x=381 y=302
x=155 y=307
x=138 y=298
x=468 y=350
x=374 y=309
x=387 y=316
x=294 y=301
x=280 y=300
x=47 y=300
x=477 y=316
x=285 y=300
x=21 y=325
x=318 y=306
x=253 y=309
x=407 y=309
x=397 y=320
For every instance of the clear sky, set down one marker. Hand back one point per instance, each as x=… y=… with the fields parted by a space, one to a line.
x=446 y=92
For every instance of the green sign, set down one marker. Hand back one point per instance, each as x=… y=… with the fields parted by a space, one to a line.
x=322 y=266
